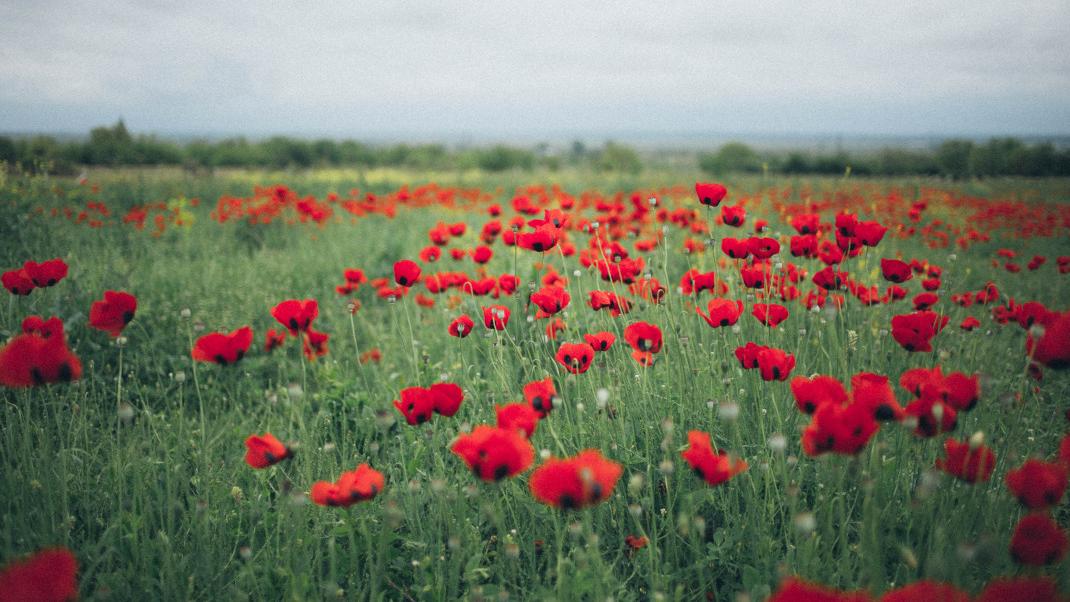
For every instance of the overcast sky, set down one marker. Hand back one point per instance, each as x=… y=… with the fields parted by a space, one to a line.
x=545 y=68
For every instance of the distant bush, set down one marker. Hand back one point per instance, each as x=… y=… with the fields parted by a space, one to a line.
x=953 y=158
x=116 y=146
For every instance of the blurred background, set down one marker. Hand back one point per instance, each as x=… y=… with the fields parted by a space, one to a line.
x=957 y=89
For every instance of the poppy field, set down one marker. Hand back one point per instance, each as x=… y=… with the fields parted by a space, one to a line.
x=322 y=385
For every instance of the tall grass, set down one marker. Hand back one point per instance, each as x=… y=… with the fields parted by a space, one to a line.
x=158 y=504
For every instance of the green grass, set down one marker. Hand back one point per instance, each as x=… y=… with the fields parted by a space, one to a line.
x=162 y=506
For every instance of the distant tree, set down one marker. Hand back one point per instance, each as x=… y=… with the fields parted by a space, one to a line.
x=577 y=151
x=953 y=158
x=428 y=156
x=501 y=158
x=796 y=163
x=287 y=152
x=8 y=152
x=619 y=158
x=109 y=146
x=732 y=157
x=899 y=162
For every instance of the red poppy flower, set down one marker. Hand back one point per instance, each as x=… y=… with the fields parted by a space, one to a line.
x=839 y=429
x=625 y=270
x=775 y=364
x=50 y=575
x=829 y=253
x=710 y=193
x=915 y=331
x=17 y=282
x=416 y=404
x=518 y=417
x=748 y=355
x=1020 y=589
x=43 y=328
x=896 y=271
x=957 y=389
x=406 y=272
x=371 y=355
x=636 y=543
x=496 y=317
x=273 y=340
x=1052 y=349
x=352 y=487
x=754 y=275
x=493 y=453
x=966 y=463
x=643 y=337
x=733 y=215
x=870 y=233
x=446 y=398
x=1032 y=312
x=721 y=312
x=264 y=450
x=649 y=289
x=763 y=247
x=541 y=240
x=314 y=344
x=482 y=254
x=923 y=301
x=223 y=349
x=736 y=249
x=812 y=393
x=927 y=590
x=806 y=223
x=794 y=589
x=803 y=246
x=297 y=316
x=430 y=254
x=600 y=341
x=461 y=326
x=38 y=356
x=1038 y=540
x=1038 y=484
x=551 y=299
x=508 y=283
x=715 y=466
x=47 y=273
x=969 y=323
x=113 y=313
x=694 y=281
x=895 y=293
x=575 y=357
x=540 y=395
x=932 y=415
x=770 y=314
x=354 y=276
x=607 y=300
x=830 y=279
x=873 y=392
x=577 y=482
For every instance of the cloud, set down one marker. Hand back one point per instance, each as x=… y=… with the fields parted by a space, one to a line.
x=408 y=67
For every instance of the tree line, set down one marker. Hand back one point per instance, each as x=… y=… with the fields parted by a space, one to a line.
x=951 y=158
x=116 y=146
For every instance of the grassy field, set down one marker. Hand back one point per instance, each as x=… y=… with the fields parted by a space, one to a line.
x=138 y=466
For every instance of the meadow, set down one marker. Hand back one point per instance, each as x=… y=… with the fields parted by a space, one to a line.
x=143 y=468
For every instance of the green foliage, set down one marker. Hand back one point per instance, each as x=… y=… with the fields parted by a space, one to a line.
x=158 y=504
x=116 y=146
x=618 y=158
x=734 y=157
